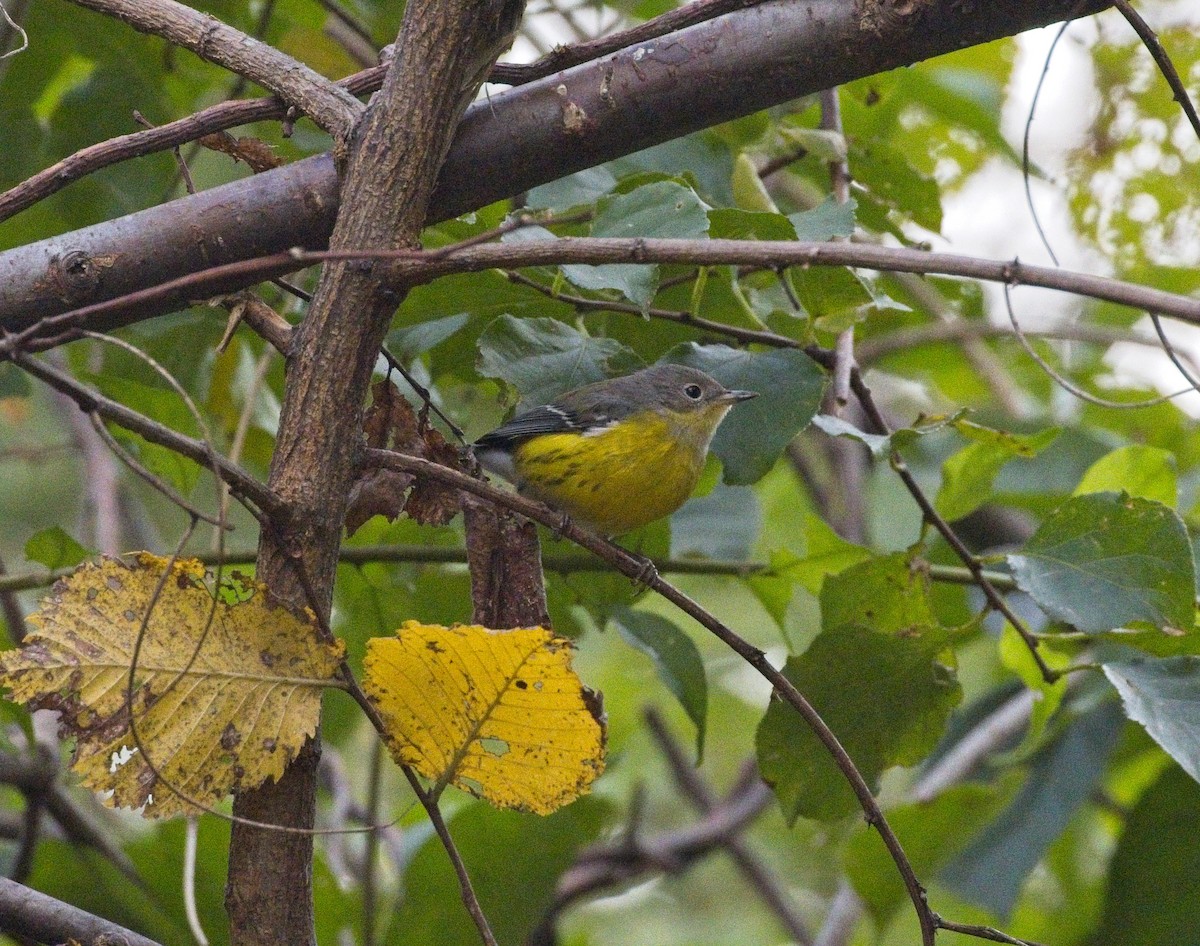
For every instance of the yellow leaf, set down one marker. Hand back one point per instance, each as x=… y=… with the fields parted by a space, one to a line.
x=499 y=714
x=216 y=710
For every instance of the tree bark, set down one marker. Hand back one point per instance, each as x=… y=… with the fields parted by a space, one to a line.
x=440 y=53
x=505 y=561
x=692 y=79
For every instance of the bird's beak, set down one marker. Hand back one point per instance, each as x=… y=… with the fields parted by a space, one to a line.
x=733 y=397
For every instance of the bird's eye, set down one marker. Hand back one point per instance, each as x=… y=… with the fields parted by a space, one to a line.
x=693 y=391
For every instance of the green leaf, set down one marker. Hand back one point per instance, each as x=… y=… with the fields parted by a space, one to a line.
x=408 y=342
x=825 y=553
x=1148 y=472
x=886 y=697
x=967 y=476
x=789 y=385
x=720 y=525
x=1105 y=560
x=574 y=190
x=731 y=223
x=543 y=358
x=13 y=381
x=675 y=658
x=166 y=408
x=55 y=549
x=967 y=98
x=880 y=445
x=1164 y=696
x=510 y=852
x=1062 y=777
x=661 y=209
x=932 y=833
x=749 y=193
x=889 y=177
x=885 y=594
x=1152 y=878
x=827 y=220
x=831 y=292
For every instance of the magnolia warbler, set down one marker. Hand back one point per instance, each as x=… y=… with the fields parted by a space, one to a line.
x=617 y=454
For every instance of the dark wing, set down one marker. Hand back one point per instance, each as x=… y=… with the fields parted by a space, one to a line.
x=548 y=419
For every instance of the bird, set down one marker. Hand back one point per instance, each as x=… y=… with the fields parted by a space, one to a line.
x=618 y=454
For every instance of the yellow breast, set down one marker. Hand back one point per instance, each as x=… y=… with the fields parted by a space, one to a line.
x=622 y=477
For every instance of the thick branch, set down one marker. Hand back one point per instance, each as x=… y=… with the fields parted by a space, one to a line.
x=444 y=49
x=708 y=73
x=329 y=105
x=43 y=919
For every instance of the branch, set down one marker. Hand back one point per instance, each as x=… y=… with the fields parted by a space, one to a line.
x=43 y=919
x=770 y=254
x=638 y=569
x=700 y=76
x=230 y=114
x=610 y=863
x=241 y=483
x=935 y=519
x=218 y=117
x=329 y=105
x=991 y=734
x=1151 y=41
x=419 y=266
x=563 y=563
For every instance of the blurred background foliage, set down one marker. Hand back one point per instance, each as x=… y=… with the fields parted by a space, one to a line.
x=1078 y=828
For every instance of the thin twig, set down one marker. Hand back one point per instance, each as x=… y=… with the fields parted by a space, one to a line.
x=370 y=875
x=1069 y=386
x=562 y=57
x=466 y=889
x=190 y=847
x=563 y=563
x=839 y=180
x=157 y=482
x=1172 y=353
x=170 y=135
x=1166 y=67
x=636 y=567
x=1025 y=176
x=747 y=336
x=13 y=24
x=983 y=932
x=421 y=391
x=606 y=864
x=934 y=518
x=329 y=105
x=934 y=333
x=991 y=734
x=244 y=486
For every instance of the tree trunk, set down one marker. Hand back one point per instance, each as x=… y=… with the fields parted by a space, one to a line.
x=441 y=53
